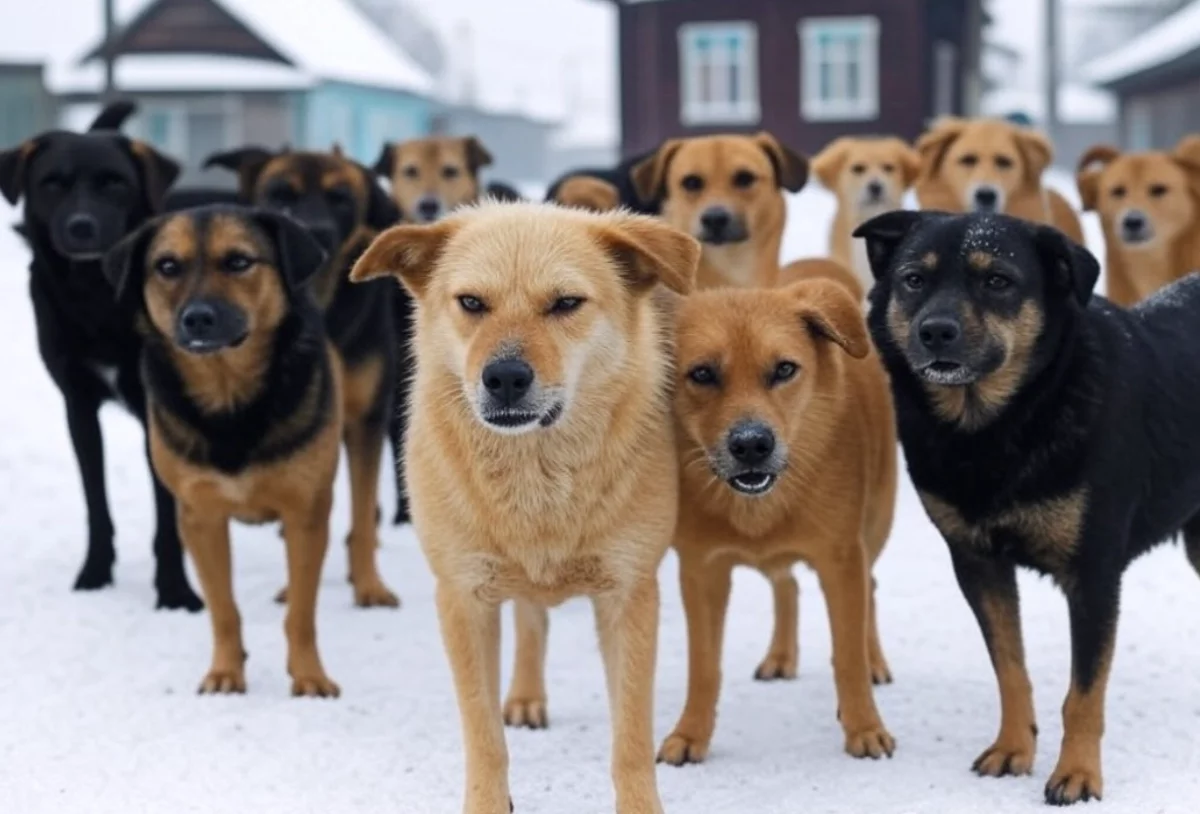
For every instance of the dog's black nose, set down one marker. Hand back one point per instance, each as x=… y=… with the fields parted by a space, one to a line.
x=82 y=228
x=508 y=380
x=751 y=443
x=875 y=189
x=429 y=208
x=939 y=333
x=716 y=220
x=986 y=197
x=198 y=319
x=1134 y=222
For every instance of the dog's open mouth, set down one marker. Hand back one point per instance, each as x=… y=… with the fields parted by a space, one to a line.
x=753 y=483
x=205 y=346
x=521 y=419
x=947 y=373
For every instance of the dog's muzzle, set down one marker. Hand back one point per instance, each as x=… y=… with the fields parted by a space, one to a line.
x=751 y=458
x=510 y=399
x=208 y=326
x=429 y=208
x=718 y=225
x=1136 y=227
x=938 y=351
x=987 y=198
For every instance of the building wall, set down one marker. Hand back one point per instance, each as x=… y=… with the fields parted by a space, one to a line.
x=26 y=108
x=518 y=145
x=1157 y=119
x=651 y=82
x=360 y=119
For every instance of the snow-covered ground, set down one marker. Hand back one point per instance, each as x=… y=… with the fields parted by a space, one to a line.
x=98 y=712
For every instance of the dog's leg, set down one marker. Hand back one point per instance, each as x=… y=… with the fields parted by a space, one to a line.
x=526 y=702
x=306 y=532
x=206 y=537
x=627 y=624
x=170 y=577
x=83 y=422
x=705 y=588
x=364 y=450
x=784 y=654
x=846 y=585
x=1078 y=776
x=471 y=634
x=990 y=588
x=1191 y=542
x=396 y=429
x=880 y=672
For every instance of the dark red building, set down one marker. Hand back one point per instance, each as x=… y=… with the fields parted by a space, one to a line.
x=806 y=70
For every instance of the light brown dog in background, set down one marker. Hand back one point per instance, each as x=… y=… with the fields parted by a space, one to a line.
x=787 y=450
x=989 y=165
x=1149 y=207
x=869 y=176
x=432 y=176
x=726 y=191
x=540 y=455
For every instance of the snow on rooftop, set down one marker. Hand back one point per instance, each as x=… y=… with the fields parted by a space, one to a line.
x=1169 y=39
x=1077 y=104
x=142 y=73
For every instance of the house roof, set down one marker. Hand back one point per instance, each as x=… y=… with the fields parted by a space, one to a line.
x=1166 y=42
x=1077 y=104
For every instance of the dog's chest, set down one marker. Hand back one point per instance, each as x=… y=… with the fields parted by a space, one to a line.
x=109 y=376
x=543 y=580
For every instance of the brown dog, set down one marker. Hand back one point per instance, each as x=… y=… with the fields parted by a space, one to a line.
x=726 y=192
x=540 y=453
x=787 y=451
x=432 y=176
x=989 y=165
x=869 y=176
x=585 y=192
x=1149 y=207
x=244 y=405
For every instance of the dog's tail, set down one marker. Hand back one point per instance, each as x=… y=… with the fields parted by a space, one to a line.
x=113 y=116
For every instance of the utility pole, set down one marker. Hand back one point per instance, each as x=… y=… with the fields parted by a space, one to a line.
x=110 y=58
x=1052 y=67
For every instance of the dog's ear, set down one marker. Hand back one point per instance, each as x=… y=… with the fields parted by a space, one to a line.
x=648 y=251
x=827 y=165
x=336 y=150
x=124 y=265
x=1187 y=155
x=386 y=163
x=247 y=162
x=477 y=155
x=408 y=252
x=1036 y=152
x=829 y=312
x=884 y=234
x=791 y=168
x=158 y=172
x=298 y=254
x=14 y=164
x=649 y=176
x=934 y=142
x=498 y=191
x=1072 y=268
x=909 y=163
x=382 y=211
x=1088 y=171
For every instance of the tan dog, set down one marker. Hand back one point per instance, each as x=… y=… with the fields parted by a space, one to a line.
x=989 y=165
x=540 y=455
x=432 y=176
x=1149 y=207
x=725 y=191
x=788 y=453
x=869 y=176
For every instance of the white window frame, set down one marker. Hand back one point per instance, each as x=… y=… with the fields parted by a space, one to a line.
x=813 y=106
x=945 y=69
x=694 y=111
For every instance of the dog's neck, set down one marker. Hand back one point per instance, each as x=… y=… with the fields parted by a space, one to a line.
x=742 y=265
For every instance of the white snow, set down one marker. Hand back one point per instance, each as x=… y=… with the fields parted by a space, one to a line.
x=185 y=72
x=1175 y=36
x=99 y=712
x=1077 y=104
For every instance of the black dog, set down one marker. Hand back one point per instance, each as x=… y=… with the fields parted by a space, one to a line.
x=1043 y=428
x=83 y=192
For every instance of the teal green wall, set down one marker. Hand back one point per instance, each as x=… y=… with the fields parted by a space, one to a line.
x=25 y=107
x=360 y=119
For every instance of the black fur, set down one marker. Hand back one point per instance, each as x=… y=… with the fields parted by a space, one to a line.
x=621 y=178
x=1107 y=404
x=499 y=191
x=113 y=116
x=82 y=330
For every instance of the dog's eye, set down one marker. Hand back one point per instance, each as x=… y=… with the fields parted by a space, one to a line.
x=784 y=371
x=1158 y=190
x=969 y=160
x=472 y=304
x=412 y=171
x=566 y=305
x=703 y=375
x=112 y=183
x=692 y=183
x=858 y=169
x=1003 y=162
x=54 y=183
x=888 y=169
x=236 y=262
x=450 y=172
x=281 y=194
x=744 y=178
x=1117 y=192
x=997 y=282
x=168 y=267
x=913 y=281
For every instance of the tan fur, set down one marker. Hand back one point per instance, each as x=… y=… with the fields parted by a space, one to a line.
x=585 y=507
x=1007 y=156
x=819 y=268
x=717 y=161
x=588 y=193
x=845 y=167
x=831 y=508
x=442 y=167
x=1165 y=186
x=297 y=491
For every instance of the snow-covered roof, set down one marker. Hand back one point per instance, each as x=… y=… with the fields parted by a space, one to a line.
x=1173 y=37
x=142 y=73
x=1077 y=104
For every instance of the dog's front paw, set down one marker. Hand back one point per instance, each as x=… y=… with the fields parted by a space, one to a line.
x=95 y=574
x=777 y=667
x=526 y=713
x=1007 y=756
x=372 y=593
x=870 y=741
x=680 y=749
x=223 y=681
x=178 y=597
x=1074 y=784
x=315 y=685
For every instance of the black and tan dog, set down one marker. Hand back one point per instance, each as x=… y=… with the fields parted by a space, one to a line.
x=344 y=208
x=431 y=177
x=82 y=193
x=244 y=398
x=1044 y=428
x=602 y=189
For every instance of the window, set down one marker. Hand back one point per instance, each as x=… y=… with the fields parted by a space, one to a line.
x=718 y=69
x=840 y=68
